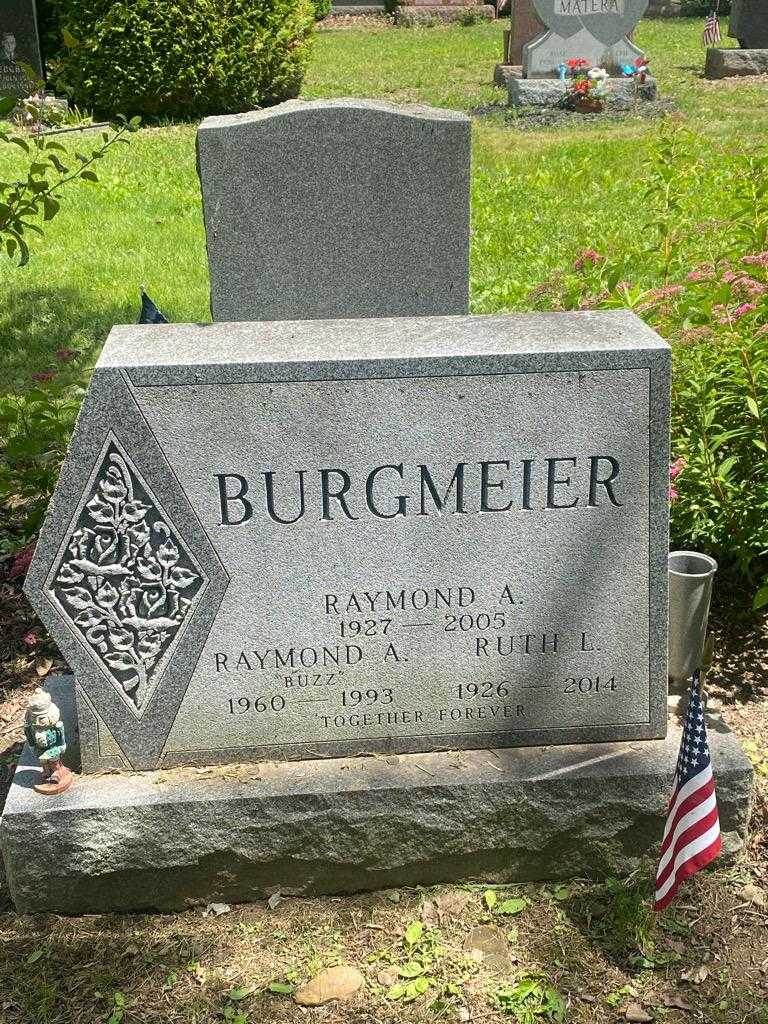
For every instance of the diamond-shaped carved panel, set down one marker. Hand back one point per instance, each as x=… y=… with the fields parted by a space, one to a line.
x=126 y=581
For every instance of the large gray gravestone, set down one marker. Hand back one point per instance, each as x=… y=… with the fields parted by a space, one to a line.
x=307 y=539
x=18 y=20
x=749 y=23
x=596 y=30
x=336 y=208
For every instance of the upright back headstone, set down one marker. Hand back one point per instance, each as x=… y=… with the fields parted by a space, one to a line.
x=336 y=208
x=301 y=539
x=749 y=23
x=13 y=80
x=596 y=30
x=525 y=25
x=19 y=37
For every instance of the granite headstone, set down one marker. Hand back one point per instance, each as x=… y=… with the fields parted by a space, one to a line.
x=302 y=539
x=13 y=80
x=18 y=18
x=596 y=30
x=749 y=23
x=336 y=208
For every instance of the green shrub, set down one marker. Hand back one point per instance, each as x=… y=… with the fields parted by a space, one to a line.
x=35 y=428
x=701 y=8
x=181 y=59
x=715 y=314
x=322 y=9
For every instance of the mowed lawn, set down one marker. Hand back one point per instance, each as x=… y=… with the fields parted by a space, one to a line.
x=538 y=197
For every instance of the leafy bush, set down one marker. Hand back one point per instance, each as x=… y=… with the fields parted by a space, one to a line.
x=181 y=59
x=38 y=192
x=322 y=9
x=716 y=315
x=35 y=428
x=696 y=8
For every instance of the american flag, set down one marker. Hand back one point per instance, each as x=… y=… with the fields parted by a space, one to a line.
x=692 y=833
x=711 y=29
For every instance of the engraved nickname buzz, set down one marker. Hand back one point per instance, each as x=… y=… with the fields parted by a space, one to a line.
x=307 y=539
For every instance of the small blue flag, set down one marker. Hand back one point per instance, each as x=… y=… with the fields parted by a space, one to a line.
x=150 y=314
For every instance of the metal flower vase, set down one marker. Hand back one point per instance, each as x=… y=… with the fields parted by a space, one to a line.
x=690 y=591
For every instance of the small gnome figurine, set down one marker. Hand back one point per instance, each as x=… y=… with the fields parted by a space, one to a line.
x=45 y=734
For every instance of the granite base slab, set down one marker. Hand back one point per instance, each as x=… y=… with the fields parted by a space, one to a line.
x=167 y=840
x=732 y=63
x=548 y=92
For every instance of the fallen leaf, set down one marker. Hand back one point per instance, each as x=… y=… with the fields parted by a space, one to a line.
x=430 y=915
x=635 y=1013
x=216 y=909
x=385 y=979
x=43 y=666
x=695 y=974
x=488 y=944
x=332 y=983
x=755 y=895
x=674 y=1002
x=274 y=900
x=453 y=903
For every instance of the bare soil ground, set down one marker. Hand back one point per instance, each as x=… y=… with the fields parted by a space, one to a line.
x=596 y=947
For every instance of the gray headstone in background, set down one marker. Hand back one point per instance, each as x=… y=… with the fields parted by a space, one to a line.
x=749 y=23
x=13 y=81
x=18 y=18
x=596 y=30
x=543 y=55
x=336 y=208
x=325 y=538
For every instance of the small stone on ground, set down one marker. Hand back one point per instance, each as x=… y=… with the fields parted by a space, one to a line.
x=332 y=983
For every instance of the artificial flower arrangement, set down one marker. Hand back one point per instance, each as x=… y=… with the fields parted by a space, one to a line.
x=586 y=87
x=638 y=70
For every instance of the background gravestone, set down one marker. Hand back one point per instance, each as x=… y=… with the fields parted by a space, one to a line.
x=18 y=18
x=749 y=23
x=13 y=80
x=336 y=208
x=596 y=30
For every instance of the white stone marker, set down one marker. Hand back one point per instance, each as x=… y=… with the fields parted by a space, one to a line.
x=295 y=539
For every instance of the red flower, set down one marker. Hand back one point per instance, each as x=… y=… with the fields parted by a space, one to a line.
x=30 y=638
x=588 y=256
x=21 y=562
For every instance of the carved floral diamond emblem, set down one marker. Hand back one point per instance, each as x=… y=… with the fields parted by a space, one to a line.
x=126 y=580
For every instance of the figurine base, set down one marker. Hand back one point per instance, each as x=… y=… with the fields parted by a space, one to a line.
x=165 y=840
x=58 y=782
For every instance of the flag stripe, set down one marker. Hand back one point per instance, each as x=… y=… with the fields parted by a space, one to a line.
x=684 y=792
x=689 y=853
x=694 y=815
x=692 y=829
x=688 y=869
x=681 y=810
x=699 y=827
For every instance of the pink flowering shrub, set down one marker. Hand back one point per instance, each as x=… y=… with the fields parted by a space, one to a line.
x=714 y=311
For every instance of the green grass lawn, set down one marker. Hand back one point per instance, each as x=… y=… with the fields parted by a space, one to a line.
x=538 y=197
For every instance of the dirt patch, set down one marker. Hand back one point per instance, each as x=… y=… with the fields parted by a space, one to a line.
x=526 y=119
